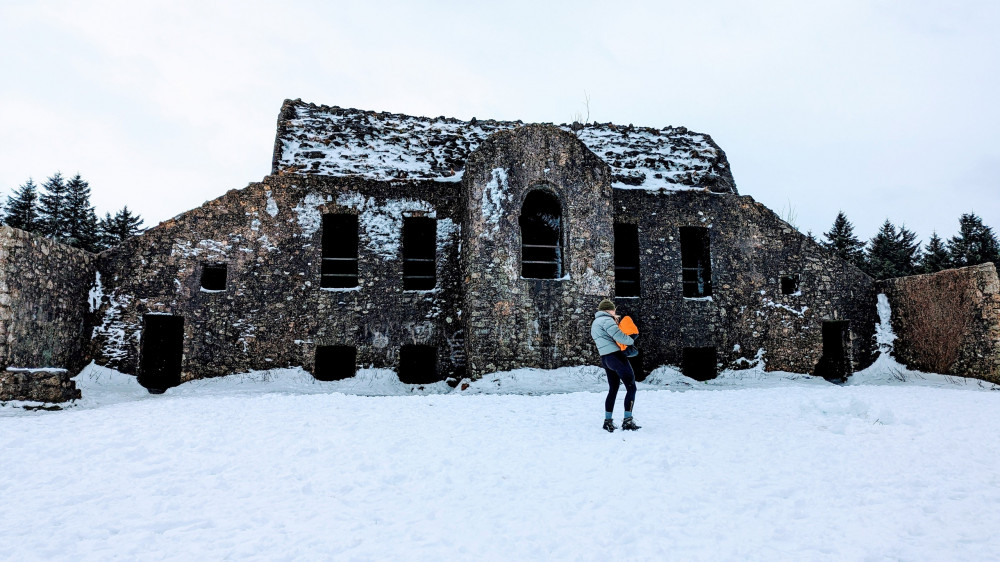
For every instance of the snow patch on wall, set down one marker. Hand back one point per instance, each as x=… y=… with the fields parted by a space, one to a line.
x=96 y=293
x=382 y=224
x=884 y=335
x=114 y=330
x=494 y=196
x=771 y=304
x=211 y=248
x=272 y=205
x=307 y=212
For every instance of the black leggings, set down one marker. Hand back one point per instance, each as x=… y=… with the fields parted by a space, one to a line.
x=619 y=370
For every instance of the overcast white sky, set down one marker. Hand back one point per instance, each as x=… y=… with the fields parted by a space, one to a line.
x=882 y=109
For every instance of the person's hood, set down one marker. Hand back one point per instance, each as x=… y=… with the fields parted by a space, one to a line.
x=599 y=313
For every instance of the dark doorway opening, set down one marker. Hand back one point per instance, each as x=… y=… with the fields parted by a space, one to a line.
x=418 y=364
x=696 y=261
x=789 y=284
x=636 y=363
x=541 y=236
x=335 y=362
x=835 y=363
x=700 y=363
x=161 y=352
x=340 y=252
x=626 y=260
x=419 y=252
x=213 y=276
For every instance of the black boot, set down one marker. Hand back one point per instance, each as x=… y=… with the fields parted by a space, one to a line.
x=609 y=426
x=629 y=424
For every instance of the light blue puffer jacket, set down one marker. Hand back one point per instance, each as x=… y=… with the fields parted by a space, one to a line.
x=605 y=332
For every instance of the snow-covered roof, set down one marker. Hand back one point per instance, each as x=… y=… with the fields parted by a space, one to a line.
x=334 y=141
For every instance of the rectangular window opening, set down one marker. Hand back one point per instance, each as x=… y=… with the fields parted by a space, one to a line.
x=335 y=362
x=626 y=260
x=340 y=251
x=696 y=262
x=789 y=284
x=419 y=253
x=700 y=363
x=213 y=276
x=418 y=364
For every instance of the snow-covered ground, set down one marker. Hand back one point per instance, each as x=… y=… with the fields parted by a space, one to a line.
x=275 y=465
x=894 y=465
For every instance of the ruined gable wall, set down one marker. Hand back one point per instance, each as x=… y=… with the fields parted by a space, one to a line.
x=43 y=301
x=273 y=312
x=751 y=248
x=515 y=322
x=948 y=322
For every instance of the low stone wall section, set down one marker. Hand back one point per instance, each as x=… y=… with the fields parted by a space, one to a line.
x=37 y=385
x=44 y=308
x=948 y=322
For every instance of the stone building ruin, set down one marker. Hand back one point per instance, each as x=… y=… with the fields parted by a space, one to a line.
x=446 y=249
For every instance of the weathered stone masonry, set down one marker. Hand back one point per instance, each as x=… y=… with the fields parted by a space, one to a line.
x=273 y=312
x=474 y=179
x=518 y=228
x=751 y=250
x=44 y=316
x=948 y=322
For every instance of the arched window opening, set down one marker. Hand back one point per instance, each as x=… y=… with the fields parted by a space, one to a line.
x=541 y=236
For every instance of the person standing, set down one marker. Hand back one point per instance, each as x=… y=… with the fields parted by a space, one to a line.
x=607 y=335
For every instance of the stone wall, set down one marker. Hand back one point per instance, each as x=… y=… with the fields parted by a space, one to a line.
x=517 y=322
x=273 y=312
x=948 y=322
x=44 y=311
x=751 y=249
x=37 y=385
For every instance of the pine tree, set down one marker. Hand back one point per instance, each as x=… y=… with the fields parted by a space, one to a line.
x=81 y=220
x=935 y=257
x=842 y=241
x=116 y=229
x=52 y=210
x=22 y=207
x=892 y=253
x=907 y=252
x=975 y=243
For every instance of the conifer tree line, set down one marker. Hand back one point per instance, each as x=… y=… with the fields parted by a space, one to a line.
x=895 y=252
x=60 y=209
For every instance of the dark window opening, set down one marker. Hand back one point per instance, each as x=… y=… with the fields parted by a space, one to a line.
x=419 y=253
x=835 y=363
x=626 y=260
x=340 y=252
x=160 y=352
x=418 y=364
x=696 y=262
x=541 y=236
x=213 y=277
x=789 y=284
x=700 y=363
x=335 y=362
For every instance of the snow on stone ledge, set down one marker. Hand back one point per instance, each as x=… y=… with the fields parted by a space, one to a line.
x=335 y=141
